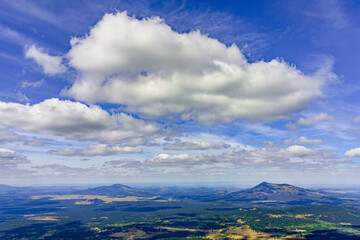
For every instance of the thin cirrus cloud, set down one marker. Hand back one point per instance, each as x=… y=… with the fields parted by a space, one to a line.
x=195 y=145
x=75 y=120
x=96 y=150
x=13 y=36
x=357 y=119
x=51 y=65
x=159 y=73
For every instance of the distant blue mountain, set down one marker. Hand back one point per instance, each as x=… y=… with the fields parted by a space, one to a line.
x=116 y=190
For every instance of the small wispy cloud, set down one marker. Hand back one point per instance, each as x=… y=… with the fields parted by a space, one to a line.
x=27 y=84
x=309 y=121
x=51 y=65
x=355 y=152
x=304 y=140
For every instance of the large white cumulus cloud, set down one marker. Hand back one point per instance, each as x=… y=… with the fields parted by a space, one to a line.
x=152 y=70
x=75 y=120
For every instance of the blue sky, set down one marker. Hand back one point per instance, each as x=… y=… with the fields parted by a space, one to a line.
x=179 y=91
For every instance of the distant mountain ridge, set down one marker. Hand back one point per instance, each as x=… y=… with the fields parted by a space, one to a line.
x=115 y=190
x=278 y=192
x=266 y=193
x=6 y=188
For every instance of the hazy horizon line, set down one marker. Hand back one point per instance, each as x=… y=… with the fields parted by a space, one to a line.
x=224 y=184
